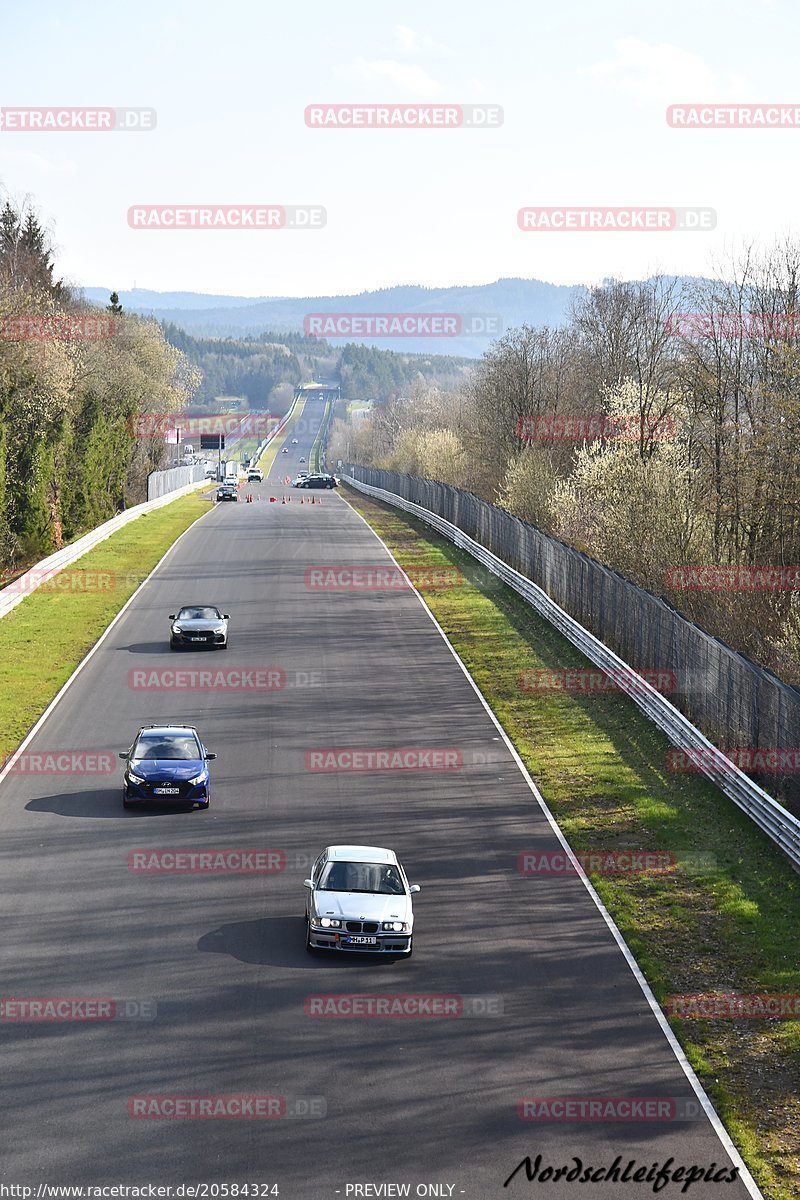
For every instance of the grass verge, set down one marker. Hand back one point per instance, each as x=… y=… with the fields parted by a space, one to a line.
x=730 y=926
x=44 y=638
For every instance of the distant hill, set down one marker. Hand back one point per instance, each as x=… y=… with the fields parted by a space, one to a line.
x=507 y=303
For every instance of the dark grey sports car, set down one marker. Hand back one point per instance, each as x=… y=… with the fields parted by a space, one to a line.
x=199 y=625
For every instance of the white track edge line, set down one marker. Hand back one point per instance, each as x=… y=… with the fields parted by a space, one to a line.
x=674 y=1044
x=8 y=764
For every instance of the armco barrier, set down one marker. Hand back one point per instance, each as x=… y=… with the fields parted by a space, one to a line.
x=11 y=596
x=781 y=826
x=50 y=566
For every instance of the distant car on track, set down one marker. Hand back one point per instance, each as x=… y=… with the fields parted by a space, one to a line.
x=255 y=475
x=198 y=625
x=294 y=441
x=301 y=459
x=166 y=764
x=285 y=450
x=228 y=491
x=359 y=899
x=317 y=481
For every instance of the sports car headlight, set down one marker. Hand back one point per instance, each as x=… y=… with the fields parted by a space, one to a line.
x=177 y=629
x=395 y=926
x=219 y=629
x=328 y=923
x=201 y=778
x=134 y=778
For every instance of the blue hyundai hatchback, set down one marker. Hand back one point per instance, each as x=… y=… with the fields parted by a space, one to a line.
x=166 y=764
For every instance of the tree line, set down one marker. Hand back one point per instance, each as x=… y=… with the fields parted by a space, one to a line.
x=74 y=384
x=657 y=429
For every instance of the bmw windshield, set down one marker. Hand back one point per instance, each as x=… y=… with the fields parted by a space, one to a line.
x=382 y=879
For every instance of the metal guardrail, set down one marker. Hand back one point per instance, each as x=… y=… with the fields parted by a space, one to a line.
x=763 y=809
x=15 y=592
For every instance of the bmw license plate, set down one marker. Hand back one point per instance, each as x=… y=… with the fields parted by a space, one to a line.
x=362 y=941
x=166 y=791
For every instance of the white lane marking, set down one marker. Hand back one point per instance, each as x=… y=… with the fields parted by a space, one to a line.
x=673 y=1042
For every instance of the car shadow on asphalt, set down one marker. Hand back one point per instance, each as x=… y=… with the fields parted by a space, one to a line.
x=102 y=803
x=281 y=942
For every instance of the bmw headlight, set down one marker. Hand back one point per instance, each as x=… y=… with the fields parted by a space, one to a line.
x=327 y=922
x=395 y=926
x=177 y=629
x=220 y=629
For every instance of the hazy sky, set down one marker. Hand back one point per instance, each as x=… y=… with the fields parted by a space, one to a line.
x=584 y=88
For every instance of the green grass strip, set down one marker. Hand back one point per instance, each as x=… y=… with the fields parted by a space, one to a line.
x=729 y=926
x=45 y=637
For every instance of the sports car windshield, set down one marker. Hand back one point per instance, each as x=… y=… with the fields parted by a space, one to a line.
x=199 y=613
x=153 y=746
x=375 y=878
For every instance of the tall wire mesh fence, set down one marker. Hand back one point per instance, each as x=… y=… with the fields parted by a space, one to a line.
x=737 y=704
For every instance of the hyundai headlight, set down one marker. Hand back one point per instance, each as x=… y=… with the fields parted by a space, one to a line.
x=134 y=778
x=395 y=926
x=201 y=778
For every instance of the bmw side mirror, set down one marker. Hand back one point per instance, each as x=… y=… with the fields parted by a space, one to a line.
x=226 y=616
x=172 y=616
x=308 y=883
x=414 y=887
x=209 y=756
